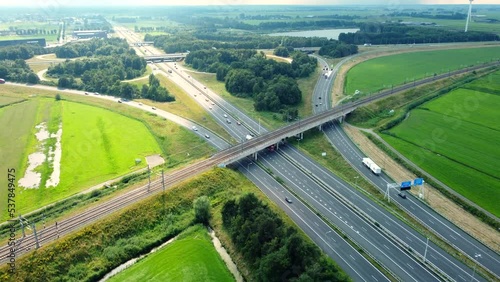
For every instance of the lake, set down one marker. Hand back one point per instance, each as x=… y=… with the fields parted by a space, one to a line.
x=328 y=33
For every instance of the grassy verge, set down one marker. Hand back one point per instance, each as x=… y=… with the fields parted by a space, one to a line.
x=184 y=106
x=191 y=257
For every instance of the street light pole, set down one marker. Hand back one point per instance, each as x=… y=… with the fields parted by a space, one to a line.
x=476 y=256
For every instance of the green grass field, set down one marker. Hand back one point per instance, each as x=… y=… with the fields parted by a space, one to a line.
x=5 y=100
x=16 y=122
x=97 y=145
x=380 y=73
x=455 y=138
x=191 y=257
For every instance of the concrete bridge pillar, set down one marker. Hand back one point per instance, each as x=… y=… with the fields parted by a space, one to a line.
x=320 y=127
x=255 y=156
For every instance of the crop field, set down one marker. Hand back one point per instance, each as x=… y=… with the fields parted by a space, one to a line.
x=191 y=257
x=380 y=73
x=455 y=138
x=97 y=145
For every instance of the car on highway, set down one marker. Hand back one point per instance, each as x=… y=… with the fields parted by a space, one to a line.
x=140 y=104
x=96 y=93
x=225 y=115
x=288 y=200
x=210 y=108
x=195 y=128
x=119 y=101
x=207 y=136
x=228 y=121
x=402 y=195
x=238 y=122
x=153 y=108
x=86 y=93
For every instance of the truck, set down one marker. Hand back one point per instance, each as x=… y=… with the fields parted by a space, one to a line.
x=372 y=166
x=2 y=81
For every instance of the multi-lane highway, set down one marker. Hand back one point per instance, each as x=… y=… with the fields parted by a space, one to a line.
x=321 y=93
x=455 y=236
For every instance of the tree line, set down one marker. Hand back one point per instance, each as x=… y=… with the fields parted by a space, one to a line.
x=338 y=49
x=94 y=47
x=22 y=51
x=272 y=250
x=249 y=74
x=381 y=33
x=17 y=71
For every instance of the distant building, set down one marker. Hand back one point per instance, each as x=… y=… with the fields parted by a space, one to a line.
x=39 y=41
x=83 y=34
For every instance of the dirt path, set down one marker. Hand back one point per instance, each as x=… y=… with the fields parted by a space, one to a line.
x=434 y=198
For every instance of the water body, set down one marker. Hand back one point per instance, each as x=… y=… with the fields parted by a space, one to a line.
x=328 y=33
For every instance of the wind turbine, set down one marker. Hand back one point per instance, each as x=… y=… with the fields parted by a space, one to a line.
x=468 y=15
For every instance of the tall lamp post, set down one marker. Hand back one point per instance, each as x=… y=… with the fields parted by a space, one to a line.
x=476 y=257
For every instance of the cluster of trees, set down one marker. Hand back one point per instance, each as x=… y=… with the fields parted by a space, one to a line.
x=265 y=26
x=94 y=47
x=381 y=33
x=272 y=250
x=18 y=71
x=249 y=74
x=211 y=38
x=110 y=62
x=154 y=91
x=448 y=16
x=338 y=49
x=23 y=52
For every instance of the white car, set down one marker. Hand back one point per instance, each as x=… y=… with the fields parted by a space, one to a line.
x=195 y=128
x=225 y=115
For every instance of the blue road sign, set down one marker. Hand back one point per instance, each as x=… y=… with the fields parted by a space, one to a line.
x=418 y=181
x=406 y=185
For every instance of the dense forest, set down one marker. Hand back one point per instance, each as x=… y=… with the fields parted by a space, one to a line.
x=273 y=251
x=249 y=74
x=381 y=33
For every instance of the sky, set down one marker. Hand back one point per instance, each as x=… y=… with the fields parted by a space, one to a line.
x=39 y=3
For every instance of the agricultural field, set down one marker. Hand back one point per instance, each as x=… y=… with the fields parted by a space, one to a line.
x=97 y=145
x=383 y=72
x=455 y=138
x=191 y=257
x=5 y=100
x=16 y=122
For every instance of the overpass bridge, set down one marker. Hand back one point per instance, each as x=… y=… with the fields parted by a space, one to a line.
x=174 y=57
x=254 y=145
x=139 y=44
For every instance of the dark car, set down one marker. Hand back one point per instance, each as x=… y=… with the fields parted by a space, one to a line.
x=288 y=200
x=402 y=195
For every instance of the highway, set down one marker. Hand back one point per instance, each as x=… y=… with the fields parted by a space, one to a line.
x=321 y=90
x=448 y=231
